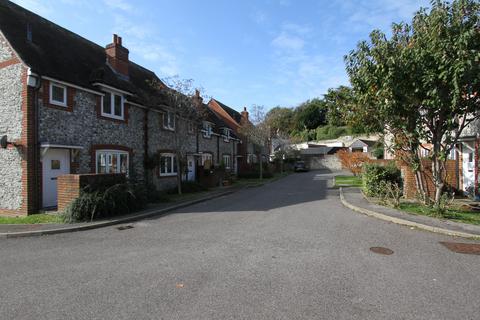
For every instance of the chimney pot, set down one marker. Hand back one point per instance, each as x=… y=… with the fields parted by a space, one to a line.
x=117 y=56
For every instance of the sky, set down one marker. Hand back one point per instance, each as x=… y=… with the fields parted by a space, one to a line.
x=241 y=52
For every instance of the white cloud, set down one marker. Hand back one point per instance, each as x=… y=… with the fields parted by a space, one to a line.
x=288 y=42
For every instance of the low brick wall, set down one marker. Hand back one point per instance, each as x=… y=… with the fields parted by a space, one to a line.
x=69 y=186
x=410 y=190
x=210 y=178
x=410 y=186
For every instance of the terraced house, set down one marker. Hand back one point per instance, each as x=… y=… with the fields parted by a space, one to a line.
x=68 y=105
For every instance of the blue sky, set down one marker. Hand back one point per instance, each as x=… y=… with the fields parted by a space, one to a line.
x=270 y=52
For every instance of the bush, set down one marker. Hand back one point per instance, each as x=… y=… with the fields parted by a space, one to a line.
x=374 y=177
x=116 y=200
x=353 y=161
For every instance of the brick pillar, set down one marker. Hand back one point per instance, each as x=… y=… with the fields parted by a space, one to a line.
x=68 y=190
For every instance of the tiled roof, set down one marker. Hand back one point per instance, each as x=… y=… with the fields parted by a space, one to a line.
x=233 y=113
x=61 y=54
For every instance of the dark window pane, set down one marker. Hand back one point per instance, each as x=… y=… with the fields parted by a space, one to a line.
x=118 y=105
x=58 y=94
x=107 y=103
x=165 y=120
x=55 y=164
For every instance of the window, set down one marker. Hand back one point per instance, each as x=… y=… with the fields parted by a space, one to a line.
x=169 y=121
x=226 y=133
x=424 y=152
x=207 y=160
x=113 y=105
x=453 y=154
x=112 y=161
x=207 y=130
x=227 y=161
x=58 y=95
x=168 y=164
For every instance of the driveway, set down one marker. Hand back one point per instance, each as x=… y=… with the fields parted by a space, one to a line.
x=287 y=250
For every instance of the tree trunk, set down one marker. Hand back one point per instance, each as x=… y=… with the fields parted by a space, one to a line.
x=437 y=173
x=261 y=167
x=179 y=173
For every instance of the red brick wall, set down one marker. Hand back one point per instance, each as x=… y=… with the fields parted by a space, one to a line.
x=410 y=186
x=69 y=186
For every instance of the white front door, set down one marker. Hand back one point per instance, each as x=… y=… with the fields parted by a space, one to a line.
x=55 y=162
x=191 y=168
x=468 y=165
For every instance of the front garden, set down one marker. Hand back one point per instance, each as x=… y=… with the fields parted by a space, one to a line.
x=383 y=185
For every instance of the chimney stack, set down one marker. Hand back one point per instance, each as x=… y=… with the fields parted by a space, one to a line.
x=197 y=99
x=117 y=56
x=244 y=115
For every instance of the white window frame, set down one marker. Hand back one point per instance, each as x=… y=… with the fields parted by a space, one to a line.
x=226 y=137
x=172 y=172
x=452 y=155
x=56 y=102
x=207 y=129
x=112 y=106
x=205 y=157
x=168 y=115
x=228 y=164
x=112 y=152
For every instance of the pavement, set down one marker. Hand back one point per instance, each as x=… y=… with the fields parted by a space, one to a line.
x=354 y=199
x=27 y=230
x=286 y=250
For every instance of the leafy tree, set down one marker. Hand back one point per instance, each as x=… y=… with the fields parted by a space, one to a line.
x=280 y=120
x=258 y=132
x=338 y=102
x=422 y=84
x=311 y=114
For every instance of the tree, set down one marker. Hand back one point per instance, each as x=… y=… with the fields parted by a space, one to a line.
x=422 y=84
x=180 y=101
x=257 y=131
x=338 y=101
x=280 y=120
x=311 y=114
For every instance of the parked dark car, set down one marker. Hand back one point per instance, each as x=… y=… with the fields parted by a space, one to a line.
x=300 y=166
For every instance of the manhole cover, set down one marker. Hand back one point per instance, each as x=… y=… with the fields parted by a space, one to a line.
x=381 y=250
x=125 y=228
x=467 y=248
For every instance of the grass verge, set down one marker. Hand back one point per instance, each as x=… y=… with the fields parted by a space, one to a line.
x=348 y=181
x=32 y=219
x=454 y=214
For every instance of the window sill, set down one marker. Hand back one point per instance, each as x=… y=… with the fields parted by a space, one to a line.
x=58 y=104
x=167 y=175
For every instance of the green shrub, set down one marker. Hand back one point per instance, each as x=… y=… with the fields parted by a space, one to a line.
x=153 y=195
x=116 y=200
x=374 y=177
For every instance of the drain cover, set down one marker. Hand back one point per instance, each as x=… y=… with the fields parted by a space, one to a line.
x=467 y=248
x=125 y=228
x=381 y=250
